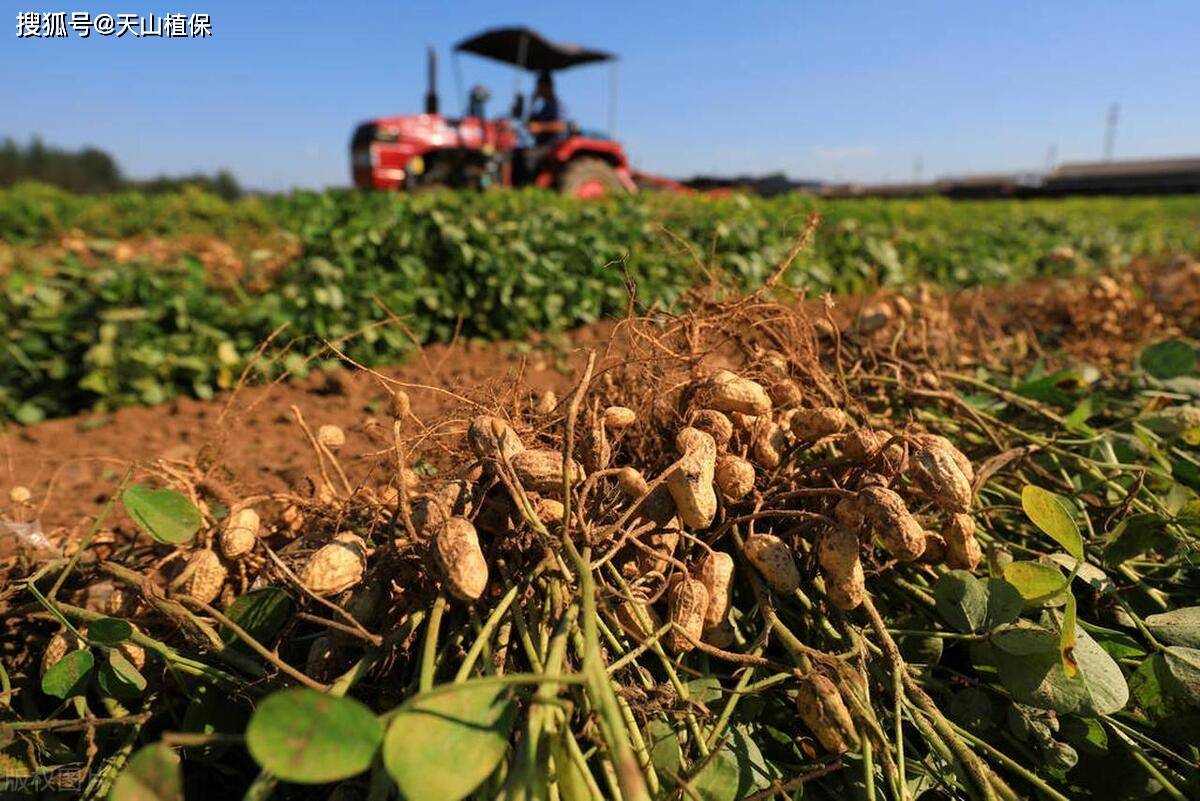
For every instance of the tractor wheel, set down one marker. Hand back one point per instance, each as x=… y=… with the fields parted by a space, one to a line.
x=589 y=178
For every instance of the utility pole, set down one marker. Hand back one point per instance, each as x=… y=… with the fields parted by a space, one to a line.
x=1051 y=156
x=1110 y=130
x=918 y=166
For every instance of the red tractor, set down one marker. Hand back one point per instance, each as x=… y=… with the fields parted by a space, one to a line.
x=431 y=150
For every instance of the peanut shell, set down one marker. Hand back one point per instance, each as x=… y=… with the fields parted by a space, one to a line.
x=810 y=425
x=962 y=549
x=617 y=418
x=940 y=442
x=687 y=600
x=715 y=572
x=784 y=393
x=456 y=546
x=734 y=477
x=937 y=473
x=486 y=435
x=887 y=516
x=337 y=566
x=715 y=424
x=630 y=623
x=691 y=483
x=632 y=482
x=728 y=392
x=837 y=554
x=769 y=444
x=824 y=712
x=240 y=533
x=773 y=559
x=207 y=575
x=331 y=437
x=541 y=470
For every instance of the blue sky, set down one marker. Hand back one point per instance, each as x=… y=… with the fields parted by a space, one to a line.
x=846 y=90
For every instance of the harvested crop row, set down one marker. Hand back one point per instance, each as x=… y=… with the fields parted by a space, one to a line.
x=737 y=539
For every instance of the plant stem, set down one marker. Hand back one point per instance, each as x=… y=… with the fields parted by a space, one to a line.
x=485 y=634
x=91 y=532
x=429 y=649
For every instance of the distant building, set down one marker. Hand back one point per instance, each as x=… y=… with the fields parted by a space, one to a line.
x=1138 y=177
x=1134 y=177
x=1141 y=177
x=775 y=183
x=892 y=190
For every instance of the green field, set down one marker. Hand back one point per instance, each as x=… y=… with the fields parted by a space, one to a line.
x=85 y=331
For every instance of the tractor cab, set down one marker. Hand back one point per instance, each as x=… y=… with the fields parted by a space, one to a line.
x=427 y=150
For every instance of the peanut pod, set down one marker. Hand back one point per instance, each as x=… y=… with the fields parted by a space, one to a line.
x=456 y=546
x=691 y=483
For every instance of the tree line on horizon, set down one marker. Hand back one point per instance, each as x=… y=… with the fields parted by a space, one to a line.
x=93 y=171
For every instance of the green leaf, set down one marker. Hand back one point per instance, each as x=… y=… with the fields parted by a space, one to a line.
x=109 y=631
x=211 y=711
x=118 y=677
x=1146 y=687
x=260 y=613
x=1031 y=669
x=1036 y=582
x=1167 y=684
x=164 y=514
x=1186 y=473
x=1183 y=668
x=1169 y=359
x=1004 y=602
x=153 y=774
x=925 y=650
x=720 y=777
x=1086 y=734
x=705 y=689
x=1050 y=513
x=756 y=772
x=665 y=751
x=1135 y=535
x=307 y=737
x=1057 y=389
x=1177 y=627
x=1118 y=644
x=442 y=745
x=69 y=676
x=1083 y=411
x=971 y=707
x=961 y=600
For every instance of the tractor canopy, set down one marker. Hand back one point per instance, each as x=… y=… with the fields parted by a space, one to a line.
x=528 y=49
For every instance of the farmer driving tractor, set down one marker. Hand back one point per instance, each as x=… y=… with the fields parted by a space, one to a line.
x=547 y=116
x=547 y=124
x=542 y=149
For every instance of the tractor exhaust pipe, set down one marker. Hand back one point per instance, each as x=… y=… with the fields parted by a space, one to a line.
x=431 y=96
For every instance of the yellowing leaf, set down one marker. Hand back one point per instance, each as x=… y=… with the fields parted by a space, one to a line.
x=1036 y=582
x=1049 y=513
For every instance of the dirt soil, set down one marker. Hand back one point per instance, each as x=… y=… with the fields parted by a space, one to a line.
x=72 y=465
